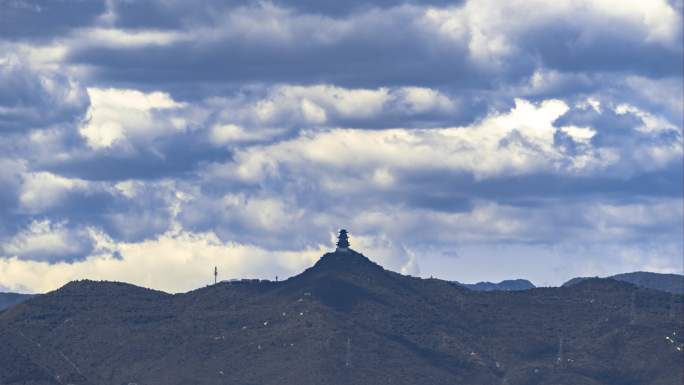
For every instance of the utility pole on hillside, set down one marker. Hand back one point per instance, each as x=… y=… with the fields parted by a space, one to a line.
x=215 y=275
x=560 y=352
x=347 y=360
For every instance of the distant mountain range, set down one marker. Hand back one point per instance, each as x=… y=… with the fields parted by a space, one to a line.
x=505 y=285
x=671 y=283
x=9 y=299
x=346 y=320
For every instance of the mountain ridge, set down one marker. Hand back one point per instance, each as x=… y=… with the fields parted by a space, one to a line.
x=343 y=320
x=505 y=285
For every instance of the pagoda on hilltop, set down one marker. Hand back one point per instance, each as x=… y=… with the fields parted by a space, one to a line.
x=343 y=241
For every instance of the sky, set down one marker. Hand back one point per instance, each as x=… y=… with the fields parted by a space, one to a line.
x=149 y=141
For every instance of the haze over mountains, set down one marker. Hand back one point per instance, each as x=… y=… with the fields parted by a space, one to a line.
x=344 y=320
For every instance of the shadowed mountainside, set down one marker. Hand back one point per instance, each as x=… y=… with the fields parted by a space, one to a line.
x=671 y=283
x=345 y=320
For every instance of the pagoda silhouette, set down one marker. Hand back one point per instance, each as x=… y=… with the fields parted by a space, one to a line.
x=342 y=241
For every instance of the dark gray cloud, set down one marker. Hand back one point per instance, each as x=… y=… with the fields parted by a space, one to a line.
x=174 y=156
x=31 y=99
x=370 y=58
x=176 y=14
x=376 y=45
x=46 y=19
x=609 y=48
x=10 y=179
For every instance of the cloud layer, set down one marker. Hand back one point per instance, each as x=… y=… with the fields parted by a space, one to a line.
x=151 y=141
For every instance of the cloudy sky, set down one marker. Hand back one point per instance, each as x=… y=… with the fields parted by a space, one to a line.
x=149 y=141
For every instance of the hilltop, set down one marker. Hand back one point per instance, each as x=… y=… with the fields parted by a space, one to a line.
x=345 y=320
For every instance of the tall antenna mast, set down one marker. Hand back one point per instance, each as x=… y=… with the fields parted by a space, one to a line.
x=215 y=275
